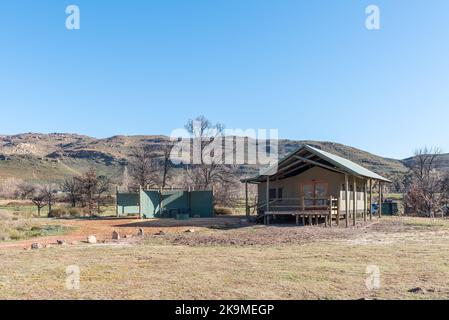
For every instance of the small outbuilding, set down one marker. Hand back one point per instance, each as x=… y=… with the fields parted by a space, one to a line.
x=153 y=203
x=313 y=185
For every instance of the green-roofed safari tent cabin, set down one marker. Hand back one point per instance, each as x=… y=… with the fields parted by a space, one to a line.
x=315 y=186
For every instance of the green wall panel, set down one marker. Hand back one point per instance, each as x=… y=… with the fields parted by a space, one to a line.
x=150 y=203
x=202 y=203
x=175 y=201
x=127 y=203
x=195 y=203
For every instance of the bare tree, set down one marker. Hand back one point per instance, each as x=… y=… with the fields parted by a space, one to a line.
x=166 y=165
x=92 y=189
x=445 y=193
x=88 y=186
x=204 y=174
x=48 y=192
x=142 y=168
x=227 y=193
x=103 y=186
x=71 y=187
x=424 y=183
x=34 y=192
x=39 y=199
x=26 y=190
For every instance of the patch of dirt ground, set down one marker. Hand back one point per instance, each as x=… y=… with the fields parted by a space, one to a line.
x=385 y=231
x=102 y=228
x=391 y=230
x=261 y=235
x=236 y=231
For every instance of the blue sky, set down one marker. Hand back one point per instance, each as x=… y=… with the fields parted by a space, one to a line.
x=308 y=68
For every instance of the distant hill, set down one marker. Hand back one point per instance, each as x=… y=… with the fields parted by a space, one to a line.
x=441 y=162
x=52 y=157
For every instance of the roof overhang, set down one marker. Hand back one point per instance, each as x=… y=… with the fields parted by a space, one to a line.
x=307 y=157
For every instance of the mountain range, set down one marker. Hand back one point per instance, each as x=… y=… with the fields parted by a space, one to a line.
x=53 y=157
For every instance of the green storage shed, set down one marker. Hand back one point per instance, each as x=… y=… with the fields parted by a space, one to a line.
x=179 y=204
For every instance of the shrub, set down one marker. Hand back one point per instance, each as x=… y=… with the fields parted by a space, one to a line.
x=74 y=212
x=9 y=230
x=223 y=211
x=4 y=233
x=58 y=213
x=15 y=234
x=5 y=215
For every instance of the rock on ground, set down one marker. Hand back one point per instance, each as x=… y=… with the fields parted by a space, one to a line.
x=115 y=235
x=91 y=239
x=36 y=246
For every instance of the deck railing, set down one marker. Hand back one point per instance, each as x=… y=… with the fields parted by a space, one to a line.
x=328 y=211
x=300 y=203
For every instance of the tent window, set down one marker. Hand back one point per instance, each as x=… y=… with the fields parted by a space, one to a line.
x=280 y=192
x=315 y=193
x=272 y=194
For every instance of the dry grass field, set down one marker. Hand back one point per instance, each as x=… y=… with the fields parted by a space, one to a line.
x=225 y=258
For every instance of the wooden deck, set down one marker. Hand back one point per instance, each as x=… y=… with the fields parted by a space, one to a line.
x=309 y=217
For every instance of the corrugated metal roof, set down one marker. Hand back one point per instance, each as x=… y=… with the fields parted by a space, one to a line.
x=339 y=162
x=345 y=164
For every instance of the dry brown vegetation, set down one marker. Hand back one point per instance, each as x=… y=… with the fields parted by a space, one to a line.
x=225 y=258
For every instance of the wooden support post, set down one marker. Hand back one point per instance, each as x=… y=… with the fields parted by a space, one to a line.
x=330 y=212
x=303 y=220
x=161 y=203
x=246 y=200
x=354 y=214
x=116 y=202
x=310 y=220
x=347 y=200
x=365 y=202
x=140 y=201
x=380 y=199
x=338 y=211
x=268 y=193
x=297 y=220
x=316 y=220
x=371 y=199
